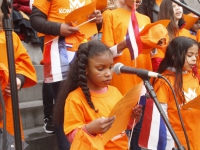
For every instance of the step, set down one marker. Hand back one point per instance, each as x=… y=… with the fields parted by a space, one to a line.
x=40 y=140
x=39 y=72
x=31 y=93
x=32 y=114
x=194 y=4
x=34 y=52
x=34 y=92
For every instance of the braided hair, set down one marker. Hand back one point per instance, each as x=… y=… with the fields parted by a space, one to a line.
x=77 y=76
x=82 y=56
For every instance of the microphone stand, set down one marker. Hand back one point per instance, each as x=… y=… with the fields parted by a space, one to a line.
x=8 y=28
x=152 y=94
x=186 y=7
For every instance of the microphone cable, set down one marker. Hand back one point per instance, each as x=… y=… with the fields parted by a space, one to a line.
x=179 y=113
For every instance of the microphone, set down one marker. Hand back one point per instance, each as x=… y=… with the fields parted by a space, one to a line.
x=142 y=73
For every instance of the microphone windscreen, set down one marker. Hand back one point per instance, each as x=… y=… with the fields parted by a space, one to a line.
x=116 y=68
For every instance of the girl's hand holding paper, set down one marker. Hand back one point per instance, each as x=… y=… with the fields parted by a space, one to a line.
x=100 y=125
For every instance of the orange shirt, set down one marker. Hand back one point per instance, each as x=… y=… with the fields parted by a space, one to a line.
x=191 y=119
x=23 y=66
x=78 y=113
x=3 y=76
x=198 y=35
x=158 y=2
x=185 y=32
x=114 y=30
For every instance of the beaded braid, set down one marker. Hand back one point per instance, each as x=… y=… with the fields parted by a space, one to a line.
x=82 y=62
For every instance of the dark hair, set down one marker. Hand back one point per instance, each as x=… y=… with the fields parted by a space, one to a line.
x=175 y=57
x=167 y=12
x=185 y=11
x=77 y=76
x=146 y=8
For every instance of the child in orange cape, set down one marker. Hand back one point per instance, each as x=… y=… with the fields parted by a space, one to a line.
x=25 y=75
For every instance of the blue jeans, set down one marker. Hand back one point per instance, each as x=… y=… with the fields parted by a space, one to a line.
x=63 y=143
x=135 y=136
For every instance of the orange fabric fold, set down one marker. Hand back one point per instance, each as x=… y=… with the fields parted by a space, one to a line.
x=3 y=76
x=83 y=141
x=155 y=35
x=190 y=20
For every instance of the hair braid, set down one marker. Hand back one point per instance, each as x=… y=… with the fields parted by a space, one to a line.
x=82 y=62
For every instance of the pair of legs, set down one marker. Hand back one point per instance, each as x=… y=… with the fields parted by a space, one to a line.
x=135 y=136
x=49 y=94
x=50 y=90
x=48 y=104
x=48 y=100
x=136 y=131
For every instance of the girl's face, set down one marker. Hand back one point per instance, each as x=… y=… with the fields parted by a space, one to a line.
x=191 y=58
x=99 y=71
x=196 y=26
x=178 y=11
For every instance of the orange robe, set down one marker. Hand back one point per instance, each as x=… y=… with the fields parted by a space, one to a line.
x=114 y=30
x=158 y=2
x=78 y=113
x=23 y=66
x=198 y=35
x=190 y=117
